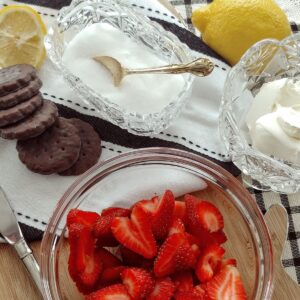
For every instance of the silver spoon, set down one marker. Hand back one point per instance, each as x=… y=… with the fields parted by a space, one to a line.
x=199 y=67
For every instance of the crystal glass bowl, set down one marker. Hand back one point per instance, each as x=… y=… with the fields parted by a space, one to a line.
x=140 y=174
x=78 y=15
x=266 y=61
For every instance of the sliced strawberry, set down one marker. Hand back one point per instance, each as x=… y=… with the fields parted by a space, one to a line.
x=113 y=292
x=163 y=290
x=208 y=262
x=116 y=212
x=135 y=234
x=225 y=262
x=102 y=231
x=102 y=228
x=140 y=220
x=111 y=275
x=204 y=238
x=164 y=263
x=139 y=282
x=132 y=259
x=191 y=203
x=219 y=237
x=227 y=285
x=183 y=281
x=85 y=265
x=209 y=216
x=200 y=289
x=177 y=226
x=82 y=217
x=179 y=210
x=163 y=216
x=149 y=205
x=189 y=295
x=108 y=259
x=186 y=256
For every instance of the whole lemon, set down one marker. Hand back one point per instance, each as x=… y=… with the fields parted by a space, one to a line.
x=231 y=27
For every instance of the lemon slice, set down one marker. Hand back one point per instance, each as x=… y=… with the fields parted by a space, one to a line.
x=22 y=32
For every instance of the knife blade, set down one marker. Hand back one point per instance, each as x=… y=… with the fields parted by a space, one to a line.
x=11 y=232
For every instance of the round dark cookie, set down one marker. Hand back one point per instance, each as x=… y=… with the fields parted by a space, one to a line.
x=90 y=148
x=56 y=150
x=33 y=125
x=15 y=77
x=21 y=95
x=14 y=114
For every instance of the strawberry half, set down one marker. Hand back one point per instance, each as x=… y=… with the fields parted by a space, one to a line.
x=102 y=228
x=113 y=292
x=209 y=216
x=177 y=226
x=139 y=282
x=82 y=217
x=164 y=263
x=186 y=256
x=163 y=290
x=183 y=281
x=116 y=212
x=225 y=262
x=163 y=216
x=208 y=262
x=85 y=265
x=226 y=285
x=132 y=259
x=179 y=210
x=135 y=234
x=190 y=295
x=149 y=206
x=110 y=275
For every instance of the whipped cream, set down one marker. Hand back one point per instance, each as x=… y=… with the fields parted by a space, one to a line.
x=137 y=93
x=274 y=120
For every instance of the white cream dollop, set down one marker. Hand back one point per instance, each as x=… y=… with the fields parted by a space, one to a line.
x=137 y=93
x=274 y=120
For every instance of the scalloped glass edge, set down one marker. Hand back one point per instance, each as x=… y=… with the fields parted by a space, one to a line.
x=283 y=177
x=136 y=123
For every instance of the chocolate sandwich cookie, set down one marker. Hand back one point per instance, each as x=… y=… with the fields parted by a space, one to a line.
x=21 y=95
x=90 y=148
x=16 y=113
x=56 y=150
x=15 y=77
x=33 y=125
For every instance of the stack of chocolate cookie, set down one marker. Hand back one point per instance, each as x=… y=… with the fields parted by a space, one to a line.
x=47 y=143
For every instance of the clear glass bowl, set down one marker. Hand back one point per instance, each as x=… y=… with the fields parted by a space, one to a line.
x=78 y=15
x=248 y=237
x=266 y=61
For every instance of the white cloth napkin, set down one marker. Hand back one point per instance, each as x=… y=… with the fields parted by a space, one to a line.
x=34 y=196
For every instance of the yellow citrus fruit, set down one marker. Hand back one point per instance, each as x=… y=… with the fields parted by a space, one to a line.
x=231 y=27
x=22 y=32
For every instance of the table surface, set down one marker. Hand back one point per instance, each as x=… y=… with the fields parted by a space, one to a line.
x=16 y=284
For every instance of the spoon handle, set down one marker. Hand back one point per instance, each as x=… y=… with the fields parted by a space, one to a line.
x=199 y=67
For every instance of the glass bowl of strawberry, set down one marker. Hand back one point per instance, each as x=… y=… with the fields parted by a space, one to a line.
x=157 y=224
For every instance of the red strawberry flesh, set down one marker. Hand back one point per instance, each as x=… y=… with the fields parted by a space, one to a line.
x=139 y=282
x=112 y=292
x=76 y=216
x=163 y=216
x=226 y=285
x=163 y=290
x=208 y=262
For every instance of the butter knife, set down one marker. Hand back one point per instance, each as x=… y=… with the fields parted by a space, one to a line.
x=11 y=232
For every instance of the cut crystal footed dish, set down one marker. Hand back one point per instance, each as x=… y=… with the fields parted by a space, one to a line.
x=77 y=16
x=266 y=61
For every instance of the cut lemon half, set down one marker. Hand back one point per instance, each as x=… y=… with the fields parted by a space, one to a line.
x=22 y=32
